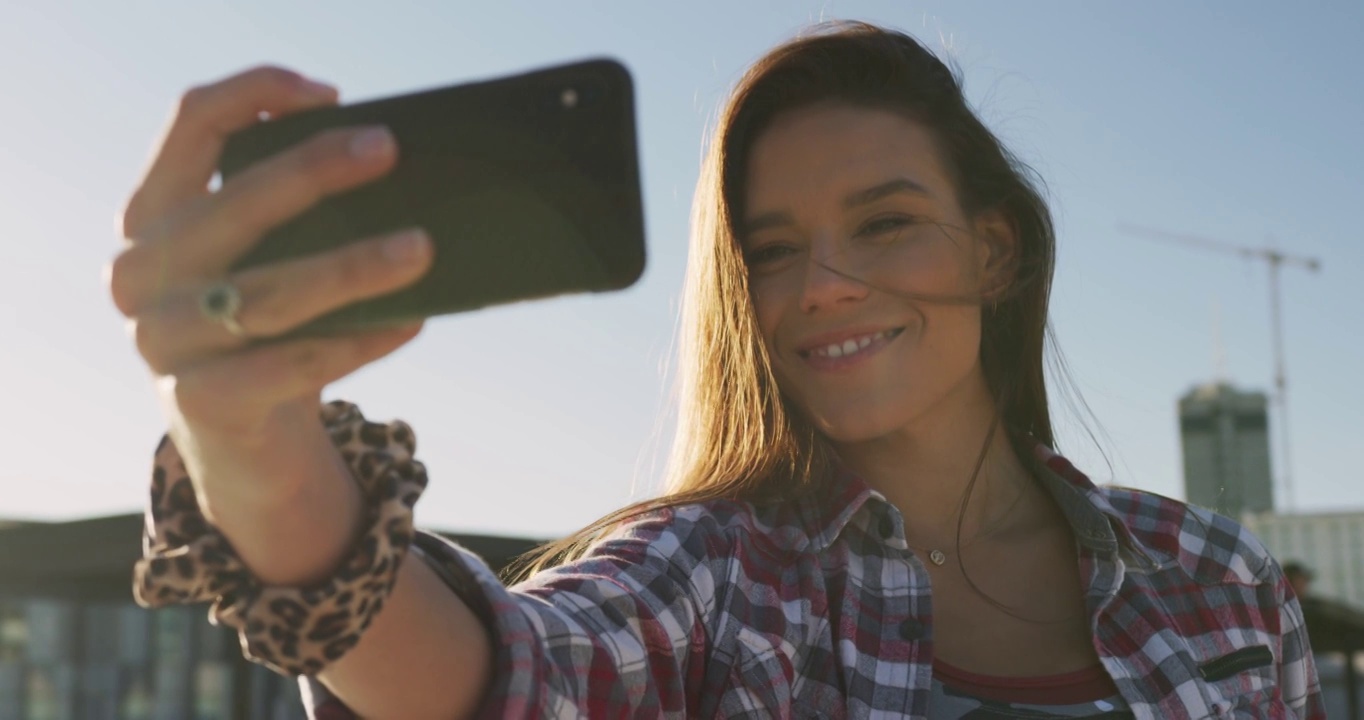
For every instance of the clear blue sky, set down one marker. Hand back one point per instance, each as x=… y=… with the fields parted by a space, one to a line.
x=1239 y=121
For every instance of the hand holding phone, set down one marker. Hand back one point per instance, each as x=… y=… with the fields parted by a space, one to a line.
x=527 y=185
x=517 y=201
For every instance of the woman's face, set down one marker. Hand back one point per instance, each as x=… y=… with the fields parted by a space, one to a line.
x=849 y=214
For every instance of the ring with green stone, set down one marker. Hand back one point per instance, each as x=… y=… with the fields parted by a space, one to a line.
x=220 y=303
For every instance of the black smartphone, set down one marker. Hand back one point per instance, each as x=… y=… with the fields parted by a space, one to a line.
x=528 y=186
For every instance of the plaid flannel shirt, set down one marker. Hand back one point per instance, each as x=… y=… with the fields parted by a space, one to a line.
x=818 y=608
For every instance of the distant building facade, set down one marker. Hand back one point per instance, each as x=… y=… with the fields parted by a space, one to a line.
x=74 y=646
x=65 y=659
x=1225 y=437
x=1331 y=544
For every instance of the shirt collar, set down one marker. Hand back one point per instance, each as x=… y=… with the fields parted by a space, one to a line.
x=1097 y=525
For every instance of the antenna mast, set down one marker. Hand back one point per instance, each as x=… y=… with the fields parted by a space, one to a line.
x=1275 y=260
x=1219 y=349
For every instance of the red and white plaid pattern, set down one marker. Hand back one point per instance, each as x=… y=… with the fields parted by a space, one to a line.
x=817 y=608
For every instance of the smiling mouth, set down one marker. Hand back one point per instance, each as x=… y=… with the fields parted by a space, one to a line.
x=852 y=346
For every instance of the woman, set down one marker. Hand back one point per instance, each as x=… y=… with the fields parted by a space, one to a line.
x=865 y=517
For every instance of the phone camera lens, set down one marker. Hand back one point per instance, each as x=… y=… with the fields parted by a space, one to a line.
x=569 y=98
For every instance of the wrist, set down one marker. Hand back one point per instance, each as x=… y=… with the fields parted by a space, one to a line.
x=272 y=569
x=292 y=470
x=291 y=508
x=297 y=537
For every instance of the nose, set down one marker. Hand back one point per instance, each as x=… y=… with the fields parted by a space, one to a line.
x=829 y=283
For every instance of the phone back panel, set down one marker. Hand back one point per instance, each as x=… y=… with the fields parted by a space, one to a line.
x=528 y=185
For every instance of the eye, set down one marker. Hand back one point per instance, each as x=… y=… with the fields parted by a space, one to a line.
x=886 y=224
x=767 y=256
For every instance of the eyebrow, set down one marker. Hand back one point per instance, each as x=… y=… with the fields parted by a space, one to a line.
x=861 y=197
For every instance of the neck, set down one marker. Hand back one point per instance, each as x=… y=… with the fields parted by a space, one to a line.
x=925 y=469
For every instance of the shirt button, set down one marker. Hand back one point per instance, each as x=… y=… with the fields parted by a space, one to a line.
x=886 y=527
x=912 y=629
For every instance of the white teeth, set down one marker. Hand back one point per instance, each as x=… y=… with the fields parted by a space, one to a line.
x=848 y=347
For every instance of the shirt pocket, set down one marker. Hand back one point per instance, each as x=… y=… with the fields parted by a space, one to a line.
x=1241 y=681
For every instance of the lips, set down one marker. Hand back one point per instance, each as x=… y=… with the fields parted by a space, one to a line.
x=843 y=349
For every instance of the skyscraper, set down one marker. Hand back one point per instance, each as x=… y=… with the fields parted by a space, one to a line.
x=1225 y=434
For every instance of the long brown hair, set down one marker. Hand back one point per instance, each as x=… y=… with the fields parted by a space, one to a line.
x=737 y=438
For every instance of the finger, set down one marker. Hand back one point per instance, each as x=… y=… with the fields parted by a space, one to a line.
x=230 y=392
x=213 y=233
x=188 y=154
x=280 y=297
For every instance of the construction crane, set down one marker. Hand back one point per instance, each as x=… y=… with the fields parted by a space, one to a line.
x=1275 y=260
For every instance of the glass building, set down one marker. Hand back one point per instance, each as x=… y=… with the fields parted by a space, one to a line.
x=1225 y=437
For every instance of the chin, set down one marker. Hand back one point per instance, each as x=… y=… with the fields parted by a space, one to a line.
x=851 y=426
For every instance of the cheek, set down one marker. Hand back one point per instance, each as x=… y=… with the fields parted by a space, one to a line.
x=767 y=309
x=951 y=340
x=933 y=271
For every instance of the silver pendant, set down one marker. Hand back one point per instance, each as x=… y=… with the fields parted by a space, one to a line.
x=938 y=557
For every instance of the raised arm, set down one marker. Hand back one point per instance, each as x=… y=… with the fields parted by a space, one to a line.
x=244 y=412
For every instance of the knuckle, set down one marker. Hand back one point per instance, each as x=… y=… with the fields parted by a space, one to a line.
x=122 y=275
x=146 y=338
x=141 y=226
x=266 y=302
x=351 y=269
x=193 y=98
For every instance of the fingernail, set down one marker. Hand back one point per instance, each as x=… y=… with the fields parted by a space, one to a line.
x=372 y=143
x=406 y=247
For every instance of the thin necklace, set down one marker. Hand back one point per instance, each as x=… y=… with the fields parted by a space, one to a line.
x=938 y=557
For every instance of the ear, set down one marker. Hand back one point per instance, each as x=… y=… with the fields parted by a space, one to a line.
x=997 y=253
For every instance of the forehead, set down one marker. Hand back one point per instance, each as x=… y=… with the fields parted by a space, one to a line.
x=826 y=151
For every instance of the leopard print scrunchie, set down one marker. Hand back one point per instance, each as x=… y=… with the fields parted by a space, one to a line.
x=291 y=630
